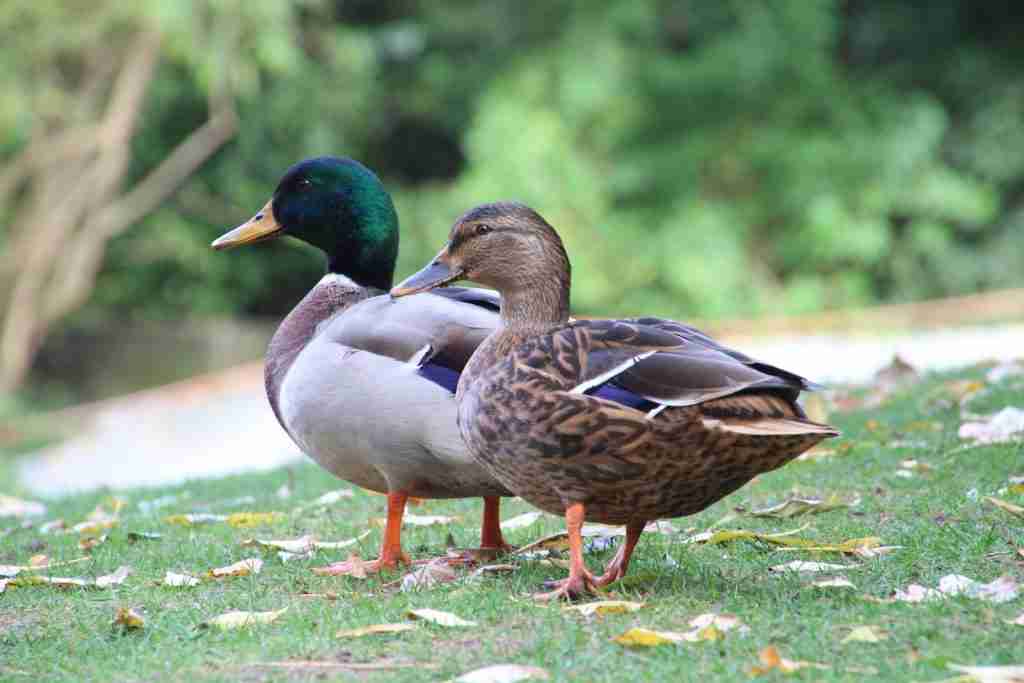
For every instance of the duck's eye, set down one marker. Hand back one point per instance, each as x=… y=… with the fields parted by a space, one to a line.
x=304 y=183
x=483 y=229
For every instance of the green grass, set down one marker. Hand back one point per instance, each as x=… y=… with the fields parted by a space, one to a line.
x=937 y=517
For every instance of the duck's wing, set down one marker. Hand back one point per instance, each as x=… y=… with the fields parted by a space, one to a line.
x=440 y=328
x=670 y=364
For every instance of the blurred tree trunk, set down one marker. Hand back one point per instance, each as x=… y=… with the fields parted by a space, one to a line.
x=66 y=198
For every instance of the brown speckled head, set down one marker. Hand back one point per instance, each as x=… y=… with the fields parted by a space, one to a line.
x=510 y=247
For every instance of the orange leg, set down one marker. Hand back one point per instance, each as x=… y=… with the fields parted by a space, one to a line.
x=490 y=531
x=391 y=549
x=580 y=580
x=616 y=569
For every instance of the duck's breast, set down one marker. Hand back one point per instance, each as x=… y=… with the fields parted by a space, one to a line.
x=376 y=422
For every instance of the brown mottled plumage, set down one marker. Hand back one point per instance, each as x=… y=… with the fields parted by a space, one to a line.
x=699 y=420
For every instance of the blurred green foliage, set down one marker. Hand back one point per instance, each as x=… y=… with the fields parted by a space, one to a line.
x=700 y=158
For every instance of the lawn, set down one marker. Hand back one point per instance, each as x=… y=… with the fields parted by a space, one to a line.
x=935 y=510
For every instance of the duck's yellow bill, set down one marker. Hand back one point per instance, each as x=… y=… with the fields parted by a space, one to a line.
x=260 y=227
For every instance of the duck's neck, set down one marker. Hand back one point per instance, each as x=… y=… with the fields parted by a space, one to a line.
x=536 y=302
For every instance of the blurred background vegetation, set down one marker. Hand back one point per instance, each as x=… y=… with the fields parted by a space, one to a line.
x=711 y=159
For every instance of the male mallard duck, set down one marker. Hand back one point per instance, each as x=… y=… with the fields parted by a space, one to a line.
x=681 y=421
x=346 y=372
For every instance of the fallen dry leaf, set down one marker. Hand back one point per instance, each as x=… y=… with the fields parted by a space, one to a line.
x=704 y=627
x=332 y=497
x=375 y=629
x=438 y=617
x=780 y=538
x=304 y=544
x=1003 y=589
x=1003 y=505
x=992 y=674
x=114 y=579
x=87 y=543
x=16 y=507
x=503 y=673
x=722 y=622
x=521 y=521
x=916 y=593
x=771 y=660
x=643 y=637
x=12 y=570
x=92 y=527
x=195 y=519
x=866 y=634
x=180 y=580
x=338 y=545
x=429 y=520
x=795 y=507
x=128 y=619
x=488 y=569
x=230 y=620
x=428 y=576
x=808 y=567
x=241 y=568
x=1006 y=425
x=241 y=520
x=605 y=607
x=307 y=666
x=833 y=582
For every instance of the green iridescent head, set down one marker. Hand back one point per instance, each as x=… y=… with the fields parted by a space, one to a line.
x=337 y=205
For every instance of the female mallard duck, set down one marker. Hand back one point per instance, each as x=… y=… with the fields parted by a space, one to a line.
x=346 y=372
x=681 y=420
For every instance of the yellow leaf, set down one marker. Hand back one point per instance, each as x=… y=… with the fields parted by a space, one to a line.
x=93 y=527
x=194 y=519
x=1016 y=488
x=248 y=519
x=230 y=620
x=605 y=607
x=866 y=634
x=376 y=628
x=240 y=568
x=710 y=633
x=129 y=619
x=1003 y=505
x=504 y=673
x=642 y=637
x=438 y=617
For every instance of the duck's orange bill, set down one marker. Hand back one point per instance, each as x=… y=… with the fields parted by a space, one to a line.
x=260 y=227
